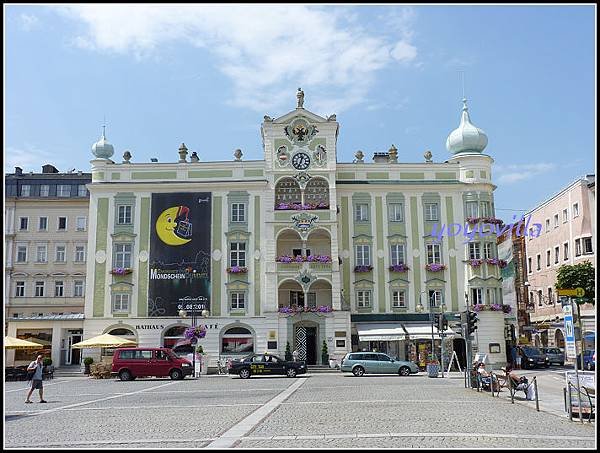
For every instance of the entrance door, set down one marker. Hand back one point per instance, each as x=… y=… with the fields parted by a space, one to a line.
x=73 y=355
x=458 y=345
x=311 y=345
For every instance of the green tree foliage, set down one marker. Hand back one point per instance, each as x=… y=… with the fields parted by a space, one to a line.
x=288 y=352
x=324 y=349
x=580 y=275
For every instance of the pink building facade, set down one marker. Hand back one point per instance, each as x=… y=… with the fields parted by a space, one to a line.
x=567 y=236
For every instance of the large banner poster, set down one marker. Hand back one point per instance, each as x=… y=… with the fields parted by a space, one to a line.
x=180 y=225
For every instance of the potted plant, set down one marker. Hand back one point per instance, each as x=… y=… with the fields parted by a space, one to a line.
x=47 y=361
x=288 y=352
x=87 y=362
x=433 y=366
x=324 y=353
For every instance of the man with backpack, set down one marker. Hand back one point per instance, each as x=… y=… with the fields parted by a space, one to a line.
x=35 y=370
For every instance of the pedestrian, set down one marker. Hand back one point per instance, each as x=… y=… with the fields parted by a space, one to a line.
x=295 y=355
x=36 y=381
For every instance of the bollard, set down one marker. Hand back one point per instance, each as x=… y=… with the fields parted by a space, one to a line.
x=565 y=397
x=569 y=402
x=492 y=383
x=510 y=389
x=537 y=401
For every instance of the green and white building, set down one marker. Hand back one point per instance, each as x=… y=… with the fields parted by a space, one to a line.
x=351 y=221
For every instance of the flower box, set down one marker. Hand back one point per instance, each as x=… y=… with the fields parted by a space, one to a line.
x=300 y=206
x=237 y=270
x=121 y=271
x=435 y=267
x=363 y=268
x=399 y=268
x=497 y=262
x=474 y=262
x=301 y=259
x=493 y=307
x=295 y=309
x=195 y=333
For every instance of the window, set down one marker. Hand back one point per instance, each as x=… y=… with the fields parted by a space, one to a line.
x=474 y=251
x=238 y=212
x=25 y=191
x=61 y=253
x=363 y=255
x=124 y=215
x=59 y=289
x=547 y=258
x=539 y=262
x=577 y=247
x=63 y=190
x=587 y=245
x=565 y=215
x=121 y=303
x=486 y=210
x=311 y=299
x=547 y=225
x=396 y=212
x=556 y=254
x=566 y=251
x=238 y=254
x=529 y=268
x=44 y=190
x=21 y=253
x=122 y=255
x=81 y=190
x=39 y=289
x=78 y=288
x=397 y=254
x=434 y=254
x=431 y=211
x=62 y=223
x=297 y=298
x=24 y=223
x=550 y=297
x=361 y=213
x=80 y=223
x=20 y=289
x=41 y=255
x=540 y=298
x=135 y=355
x=435 y=298
x=43 y=224
x=363 y=299
x=488 y=248
x=575 y=210
x=491 y=296
x=472 y=210
x=79 y=253
x=476 y=296
x=237 y=301
x=555 y=220
x=398 y=299
x=237 y=340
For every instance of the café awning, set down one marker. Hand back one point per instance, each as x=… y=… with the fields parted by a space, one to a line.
x=398 y=331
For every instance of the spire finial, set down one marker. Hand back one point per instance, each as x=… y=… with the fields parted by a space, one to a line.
x=104 y=126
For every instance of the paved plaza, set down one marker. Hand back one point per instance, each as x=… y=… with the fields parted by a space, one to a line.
x=331 y=410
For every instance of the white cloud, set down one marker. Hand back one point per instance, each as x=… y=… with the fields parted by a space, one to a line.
x=509 y=174
x=264 y=50
x=28 y=21
x=28 y=158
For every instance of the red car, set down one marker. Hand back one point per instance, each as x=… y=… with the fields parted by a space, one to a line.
x=129 y=363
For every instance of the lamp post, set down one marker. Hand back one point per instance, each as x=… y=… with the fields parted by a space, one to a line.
x=442 y=310
x=193 y=310
x=420 y=308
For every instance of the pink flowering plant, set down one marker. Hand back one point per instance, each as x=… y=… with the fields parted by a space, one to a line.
x=491 y=220
x=237 y=270
x=493 y=307
x=301 y=206
x=121 y=271
x=195 y=332
x=399 y=268
x=368 y=268
x=497 y=262
x=435 y=267
x=295 y=309
x=475 y=262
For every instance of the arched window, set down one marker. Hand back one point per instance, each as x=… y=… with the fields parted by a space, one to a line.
x=122 y=332
x=173 y=335
x=287 y=191
x=317 y=193
x=237 y=340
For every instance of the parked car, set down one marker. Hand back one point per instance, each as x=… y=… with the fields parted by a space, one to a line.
x=589 y=360
x=129 y=363
x=555 y=355
x=532 y=356
x=265 y=364
x=360 y=363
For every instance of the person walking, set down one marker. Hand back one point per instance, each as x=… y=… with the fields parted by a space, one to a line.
x=295 y=355
x=36 y=381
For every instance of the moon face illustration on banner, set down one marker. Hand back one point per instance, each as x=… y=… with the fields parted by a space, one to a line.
x=173 y=227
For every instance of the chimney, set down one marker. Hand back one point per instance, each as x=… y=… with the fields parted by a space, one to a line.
x=48 y=168
x=381 y=157
x=18 y=171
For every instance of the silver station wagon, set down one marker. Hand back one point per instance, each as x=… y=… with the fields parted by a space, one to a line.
x=360 y=363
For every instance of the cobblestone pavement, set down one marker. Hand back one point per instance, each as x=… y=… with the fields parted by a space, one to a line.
x=320 y=410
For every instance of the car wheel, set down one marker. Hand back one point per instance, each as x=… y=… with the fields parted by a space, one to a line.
x=125 y=375
x=245 y=373
x=404 y=371
x=176 y=375
x=358 y=371
x=291 y=372
x=547 y=365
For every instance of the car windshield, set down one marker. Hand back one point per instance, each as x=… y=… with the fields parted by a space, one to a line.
x=532 y=351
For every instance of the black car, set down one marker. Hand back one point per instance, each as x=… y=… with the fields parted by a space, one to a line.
x=532 y=356
x=266 y=364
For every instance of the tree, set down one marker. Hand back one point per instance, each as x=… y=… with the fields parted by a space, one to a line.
x=580 y=275
x=288 y=352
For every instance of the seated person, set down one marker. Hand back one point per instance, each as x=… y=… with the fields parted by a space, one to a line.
x=521 y=383
x=486 y=377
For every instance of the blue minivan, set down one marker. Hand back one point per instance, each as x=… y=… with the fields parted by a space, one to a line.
x=360 y=363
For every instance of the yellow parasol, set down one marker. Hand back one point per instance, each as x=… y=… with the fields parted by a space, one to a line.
x=17 y=343
x=104 y=341
x=39 y=341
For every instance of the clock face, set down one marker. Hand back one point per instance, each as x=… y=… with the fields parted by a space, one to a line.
x=301 y=161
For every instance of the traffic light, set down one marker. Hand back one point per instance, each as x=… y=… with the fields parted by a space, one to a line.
x=436 y=320
x=444 y=323
x=471 y=322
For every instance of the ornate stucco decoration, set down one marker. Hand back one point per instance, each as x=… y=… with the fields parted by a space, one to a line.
x=320 y=156
x=283 y=156
x=300 y=132
x=302 y=178
x=305 y=278
x=304 y=221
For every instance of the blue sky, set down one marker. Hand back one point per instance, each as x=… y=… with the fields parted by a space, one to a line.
x=206 y=76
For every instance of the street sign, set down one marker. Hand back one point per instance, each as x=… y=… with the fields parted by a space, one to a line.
x=569 y=333
x=577 y=292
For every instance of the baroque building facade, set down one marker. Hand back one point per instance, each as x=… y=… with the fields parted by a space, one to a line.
x=296 y=248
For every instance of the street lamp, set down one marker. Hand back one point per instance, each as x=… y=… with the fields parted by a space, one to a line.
x=193 y=311
x=420 y=308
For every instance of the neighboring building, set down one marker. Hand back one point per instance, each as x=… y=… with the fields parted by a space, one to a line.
x=226 y=239
x=46 y=222
x=567 y=237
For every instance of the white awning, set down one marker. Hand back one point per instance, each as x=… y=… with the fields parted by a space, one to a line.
x=398 y=331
